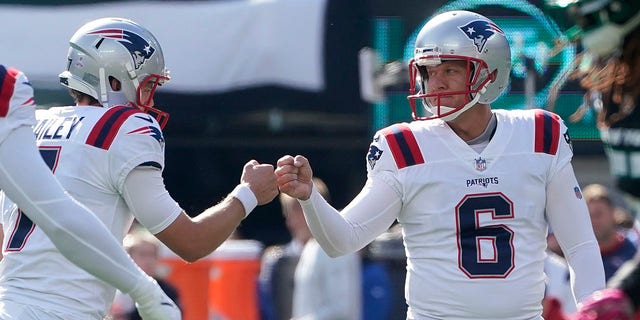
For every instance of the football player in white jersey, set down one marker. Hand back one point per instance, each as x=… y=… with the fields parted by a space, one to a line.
x=75 y=231
x=473 y=188
x=108 y=153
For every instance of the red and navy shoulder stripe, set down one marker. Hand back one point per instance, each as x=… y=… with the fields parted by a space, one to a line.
x=106 y=129
x=547 y=132
x=403 y=145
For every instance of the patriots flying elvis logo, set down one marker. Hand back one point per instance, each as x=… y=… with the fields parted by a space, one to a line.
x=149 y=130
x=479 y=31
x=138 y=47
x=373 y=156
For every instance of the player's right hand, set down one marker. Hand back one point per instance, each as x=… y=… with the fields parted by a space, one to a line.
x=294 y=176
x=158 y=307
x=261 y=179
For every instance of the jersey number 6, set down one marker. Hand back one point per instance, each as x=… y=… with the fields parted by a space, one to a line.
x=485 y=244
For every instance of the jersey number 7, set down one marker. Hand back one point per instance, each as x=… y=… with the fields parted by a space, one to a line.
x=24 y=226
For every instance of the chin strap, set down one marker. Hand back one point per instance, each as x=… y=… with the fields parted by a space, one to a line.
x=466 y=107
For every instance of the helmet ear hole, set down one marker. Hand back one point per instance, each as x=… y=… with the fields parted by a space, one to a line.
x=423 y=76
x=493 y=75
x=116 y=85
x=422 y=70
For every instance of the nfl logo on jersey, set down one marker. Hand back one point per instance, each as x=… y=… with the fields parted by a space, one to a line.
x=481 y=164
x=578 y=193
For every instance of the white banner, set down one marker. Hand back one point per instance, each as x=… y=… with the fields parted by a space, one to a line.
x=209 y=46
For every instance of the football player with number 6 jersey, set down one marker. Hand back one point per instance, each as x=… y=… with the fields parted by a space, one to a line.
x=474 y=189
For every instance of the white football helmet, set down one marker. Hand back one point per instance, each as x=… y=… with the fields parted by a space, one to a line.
x=465 y=36
x=117 y=48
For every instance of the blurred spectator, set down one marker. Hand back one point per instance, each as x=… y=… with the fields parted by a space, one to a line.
x=615 y=245
x=616 y=232
x=275 y=283
x=324 y=287
x=144 y=249
x=627 y=222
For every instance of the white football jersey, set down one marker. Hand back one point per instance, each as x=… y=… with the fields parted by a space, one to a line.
x=16 y=102
x=474 y=223
x=91 y=150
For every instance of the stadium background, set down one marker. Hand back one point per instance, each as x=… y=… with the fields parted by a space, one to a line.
x=212 y=134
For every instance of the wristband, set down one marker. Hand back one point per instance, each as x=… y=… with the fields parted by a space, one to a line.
x=243 y=193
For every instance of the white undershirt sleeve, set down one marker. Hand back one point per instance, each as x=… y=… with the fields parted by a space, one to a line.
x=76 y=232
x=367 y=216
x=145 y=194
x=569 y=218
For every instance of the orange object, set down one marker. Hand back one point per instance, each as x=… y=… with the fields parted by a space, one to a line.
x=190 y=279
x=221 y=286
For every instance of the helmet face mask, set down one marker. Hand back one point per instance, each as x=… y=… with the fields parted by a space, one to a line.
x=144 y=97
x=120 y=49
x=476 y=72
x=459 y=36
